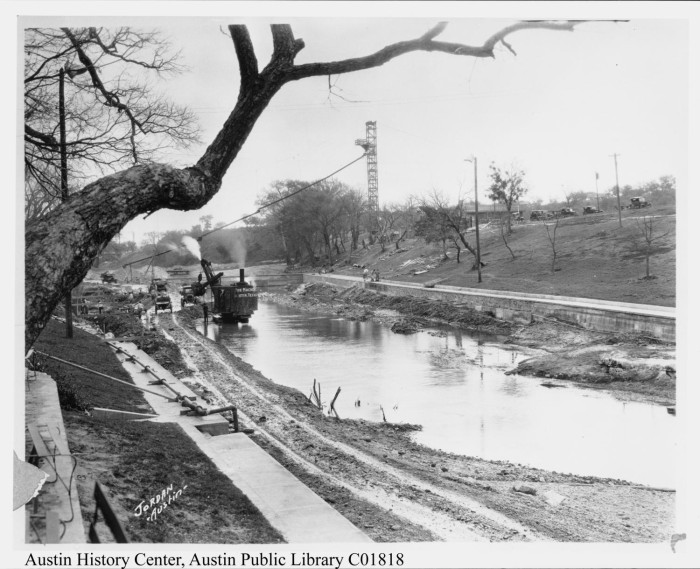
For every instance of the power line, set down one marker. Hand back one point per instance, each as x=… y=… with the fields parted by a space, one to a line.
x=295 y=192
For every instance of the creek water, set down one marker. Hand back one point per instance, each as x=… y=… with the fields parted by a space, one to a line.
x=455 y=386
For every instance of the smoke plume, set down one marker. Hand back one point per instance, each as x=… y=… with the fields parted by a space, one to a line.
x=192 y=246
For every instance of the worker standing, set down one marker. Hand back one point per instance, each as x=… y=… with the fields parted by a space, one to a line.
x=205 y=309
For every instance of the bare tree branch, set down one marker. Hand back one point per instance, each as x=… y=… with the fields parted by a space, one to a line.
x=423 y=43
x=111 y=99
x=247 y=61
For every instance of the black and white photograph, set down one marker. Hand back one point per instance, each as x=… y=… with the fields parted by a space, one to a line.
x=351 y=285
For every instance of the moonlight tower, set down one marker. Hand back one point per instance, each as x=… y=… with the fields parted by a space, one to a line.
x=369 y=144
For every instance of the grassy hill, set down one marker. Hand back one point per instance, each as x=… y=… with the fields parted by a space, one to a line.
x=595 y=259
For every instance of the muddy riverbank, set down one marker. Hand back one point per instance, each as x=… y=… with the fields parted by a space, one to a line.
x=397 y=490
x=630 y=366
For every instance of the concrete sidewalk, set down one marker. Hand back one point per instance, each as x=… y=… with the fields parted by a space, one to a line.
x=299 y=514
x=45 y=430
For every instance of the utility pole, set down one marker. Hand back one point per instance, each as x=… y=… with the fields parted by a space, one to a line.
x=64 y=182
x=617 y=188
x=597 y=199
x=476 y=216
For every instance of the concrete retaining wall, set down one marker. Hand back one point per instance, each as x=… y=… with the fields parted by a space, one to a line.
x=272 y=282
x=600 y=315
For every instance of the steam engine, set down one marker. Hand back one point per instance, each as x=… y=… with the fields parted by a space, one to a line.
x=232 y=303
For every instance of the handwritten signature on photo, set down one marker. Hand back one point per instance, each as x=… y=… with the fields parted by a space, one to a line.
x=153 y=507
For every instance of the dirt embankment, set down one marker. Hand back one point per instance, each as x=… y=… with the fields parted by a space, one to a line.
x=633 y=367
x=396 y=490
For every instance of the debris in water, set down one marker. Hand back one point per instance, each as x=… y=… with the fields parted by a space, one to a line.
x=404 y=327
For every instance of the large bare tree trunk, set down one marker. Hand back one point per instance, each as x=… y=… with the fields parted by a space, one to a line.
x=61 y=247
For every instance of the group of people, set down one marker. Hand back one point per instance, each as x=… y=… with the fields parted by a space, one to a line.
x=372 y=277
x=84 y=307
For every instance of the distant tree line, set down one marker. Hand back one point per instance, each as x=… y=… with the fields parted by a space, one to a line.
x=328 y=221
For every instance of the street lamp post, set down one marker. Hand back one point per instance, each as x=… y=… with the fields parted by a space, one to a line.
x=476 y=216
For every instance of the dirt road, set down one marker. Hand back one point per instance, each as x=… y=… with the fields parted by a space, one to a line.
x=395 y=490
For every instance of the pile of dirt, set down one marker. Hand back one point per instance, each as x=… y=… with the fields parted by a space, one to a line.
x=166 y=353
x=405 y=326
x=454 y=314
x=357 y=303
x=119 y=324
x=651 y=379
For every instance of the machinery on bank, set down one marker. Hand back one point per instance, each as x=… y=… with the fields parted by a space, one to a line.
x=234 y=302
x=187 y=296
x=108 y=277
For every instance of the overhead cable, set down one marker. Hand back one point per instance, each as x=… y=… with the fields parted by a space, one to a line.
x=282 y=198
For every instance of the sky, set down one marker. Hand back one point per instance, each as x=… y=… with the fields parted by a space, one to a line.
x=558 y=109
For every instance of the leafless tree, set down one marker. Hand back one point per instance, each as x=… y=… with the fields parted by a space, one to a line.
x=61 y=246
x=113 y=117
x=552 y=236
x=503 y=224
x=646 y=228
x=454 y=217
x=354 y=206
x=388 y=219
x=408 y=219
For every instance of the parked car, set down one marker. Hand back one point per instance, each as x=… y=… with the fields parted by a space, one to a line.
x=636 y=203
x=567 y=212
x=590 y=209
x=539 y=214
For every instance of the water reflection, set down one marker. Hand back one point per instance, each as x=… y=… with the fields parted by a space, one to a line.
x=455 y=386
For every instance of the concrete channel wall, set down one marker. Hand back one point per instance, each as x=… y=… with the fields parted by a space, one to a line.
x=600 y=315
x=270 y=282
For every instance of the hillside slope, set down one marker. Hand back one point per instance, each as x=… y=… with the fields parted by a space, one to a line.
x=595 y=259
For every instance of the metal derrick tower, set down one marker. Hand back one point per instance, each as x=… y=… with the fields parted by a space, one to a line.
x=369 y=144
